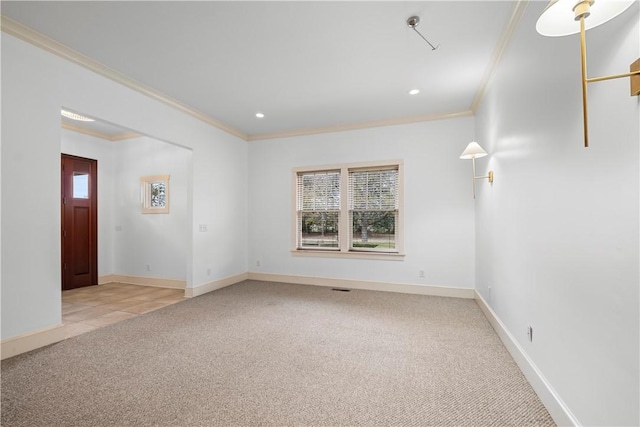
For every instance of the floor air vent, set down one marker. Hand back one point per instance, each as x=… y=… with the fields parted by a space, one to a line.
x=341 y=290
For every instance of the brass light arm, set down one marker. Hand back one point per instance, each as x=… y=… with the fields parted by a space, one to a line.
x=635 y=71
x=554 y=22
x=489 y=177
x=583 y=57
x=613 y=76
x=582 y=11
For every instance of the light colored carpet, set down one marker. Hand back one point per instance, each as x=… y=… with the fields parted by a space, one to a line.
x=270 y=354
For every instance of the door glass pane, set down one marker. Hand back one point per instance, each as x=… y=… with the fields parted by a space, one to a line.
x=80 y=185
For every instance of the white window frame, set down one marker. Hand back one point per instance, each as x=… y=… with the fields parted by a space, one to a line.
x=344 y=228
x=146 y=183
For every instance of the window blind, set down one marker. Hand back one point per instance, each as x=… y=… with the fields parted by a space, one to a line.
x=318 y=210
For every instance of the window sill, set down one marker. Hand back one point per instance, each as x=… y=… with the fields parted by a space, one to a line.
x=354 y=255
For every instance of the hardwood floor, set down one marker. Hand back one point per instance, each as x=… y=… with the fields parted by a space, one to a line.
x=93 y=307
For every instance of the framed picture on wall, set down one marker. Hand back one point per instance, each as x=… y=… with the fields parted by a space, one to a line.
x=155 y=194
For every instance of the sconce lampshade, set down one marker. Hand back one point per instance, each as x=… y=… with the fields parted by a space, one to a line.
x=558 y=19
x=473 y=151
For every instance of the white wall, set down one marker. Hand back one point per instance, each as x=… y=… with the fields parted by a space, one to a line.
x=82 y=145
x=557 y=234
x=35 y=84
x=1 y=135
x=159 y=241
x=438 y=204
x=30 y=164
x=220 y=203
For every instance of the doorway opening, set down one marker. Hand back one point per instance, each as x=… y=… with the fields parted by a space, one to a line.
x=142 y=258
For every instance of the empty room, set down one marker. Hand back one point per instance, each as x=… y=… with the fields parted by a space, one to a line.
x=320 y=213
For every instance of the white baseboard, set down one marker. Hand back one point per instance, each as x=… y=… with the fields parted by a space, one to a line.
x=550 y=399
x=103 y=280
x=145 y=281
x=212 y=286
x=405 y=288
x=27 y=342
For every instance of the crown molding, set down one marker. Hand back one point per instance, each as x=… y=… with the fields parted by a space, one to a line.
x=125 y=135
x=16 y=29
x=361 y=125
x=501 y=46
x=90 y=132
x=98 y=134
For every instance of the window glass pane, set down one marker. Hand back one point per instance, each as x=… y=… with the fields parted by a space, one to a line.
x=318 y=206
x=373 y=209
x=80 y=185
x=373 y=230
x=319 y=229
x=158 y=191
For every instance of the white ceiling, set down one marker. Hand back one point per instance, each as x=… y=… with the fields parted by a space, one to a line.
x=305 y=64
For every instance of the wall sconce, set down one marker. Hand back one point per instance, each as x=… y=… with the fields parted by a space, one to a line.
x=566 y=17
x=472 y=152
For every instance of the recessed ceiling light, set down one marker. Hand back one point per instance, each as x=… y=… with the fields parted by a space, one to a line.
x=414 y=91
x=74 y=116
x=259 y=115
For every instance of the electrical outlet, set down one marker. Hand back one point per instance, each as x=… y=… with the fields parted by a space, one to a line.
x=208 y=272
x=489 y=293
x=148 y=267
x=421 y=274
x=118 y=228
x=530 y=332
x=258 y=263
x=203 y=228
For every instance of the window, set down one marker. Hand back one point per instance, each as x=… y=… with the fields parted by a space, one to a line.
x=80 y=185
x=373 y=209
x=352 y=210
x=155 y=194
x=318 y=209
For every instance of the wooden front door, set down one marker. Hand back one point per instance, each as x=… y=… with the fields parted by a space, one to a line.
x=79 y=222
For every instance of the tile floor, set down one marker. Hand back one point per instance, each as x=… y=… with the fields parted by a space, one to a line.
x=92 y=307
